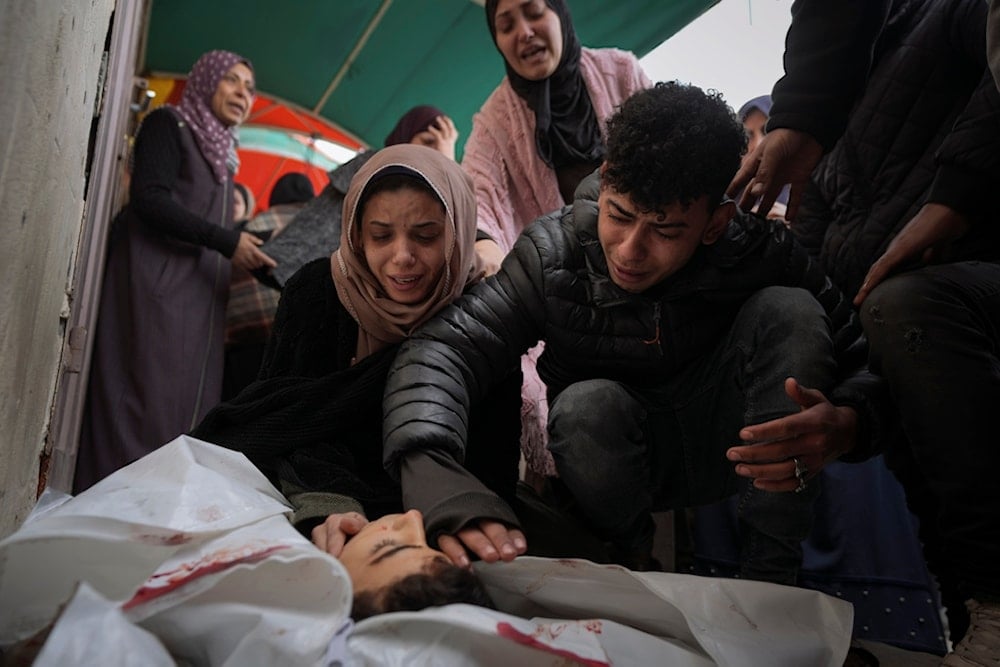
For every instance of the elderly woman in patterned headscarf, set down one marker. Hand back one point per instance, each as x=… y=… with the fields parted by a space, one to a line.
x=157 y=366
x=313 y=419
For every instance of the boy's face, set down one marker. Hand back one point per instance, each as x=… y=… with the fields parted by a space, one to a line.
x=387 y=550
x=644 y=248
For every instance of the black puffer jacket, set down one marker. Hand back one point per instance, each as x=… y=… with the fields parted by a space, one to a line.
x=554 y=286
x=910 y=115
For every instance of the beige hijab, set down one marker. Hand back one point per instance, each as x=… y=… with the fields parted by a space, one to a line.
x=383 y=321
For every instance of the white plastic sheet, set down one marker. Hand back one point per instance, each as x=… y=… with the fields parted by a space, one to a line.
x=94 y=631
x=598 y=615
x=464 y=635
x=192 y=543
x=733 y=622
x=188 y=554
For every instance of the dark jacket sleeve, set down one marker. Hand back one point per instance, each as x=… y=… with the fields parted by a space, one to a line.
x=157 y=162
x=452 y=495
x=448 y=495
x=828 y=56
x=968 y=162
x=312 y=507
x=457 y=357
x=312 y=335
x=878 y=420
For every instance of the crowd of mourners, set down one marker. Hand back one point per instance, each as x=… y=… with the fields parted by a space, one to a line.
x=612 y=306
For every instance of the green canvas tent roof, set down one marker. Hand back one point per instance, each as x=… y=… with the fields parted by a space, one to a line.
x=362 y=63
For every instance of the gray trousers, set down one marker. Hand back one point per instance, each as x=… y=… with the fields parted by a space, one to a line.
x=624 y=451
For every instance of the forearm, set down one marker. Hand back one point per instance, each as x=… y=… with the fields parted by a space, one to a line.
x=158 y=161
x=828 y=55
x=968 y=162
x=483 y=163
x=310 y=508
x=448 y=495
x=877 y=421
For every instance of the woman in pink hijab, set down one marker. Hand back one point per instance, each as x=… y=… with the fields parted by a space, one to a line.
x=313 y=420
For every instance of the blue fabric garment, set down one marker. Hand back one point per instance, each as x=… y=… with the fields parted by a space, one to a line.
x=863 y=548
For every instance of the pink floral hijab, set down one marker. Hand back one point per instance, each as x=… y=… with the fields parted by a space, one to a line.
x=382 y=321
x=215 y=140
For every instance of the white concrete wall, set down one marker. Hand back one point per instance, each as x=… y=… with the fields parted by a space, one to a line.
x=50 y=58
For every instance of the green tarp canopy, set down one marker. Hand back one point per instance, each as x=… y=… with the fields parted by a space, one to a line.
x=362 y=63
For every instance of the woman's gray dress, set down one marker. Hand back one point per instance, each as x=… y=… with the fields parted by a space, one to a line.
x=158 y=349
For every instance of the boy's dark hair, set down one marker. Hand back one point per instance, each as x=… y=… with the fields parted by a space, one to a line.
x=439 y=584
x=673 y=143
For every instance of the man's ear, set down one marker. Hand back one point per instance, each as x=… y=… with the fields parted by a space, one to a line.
x=718 y=221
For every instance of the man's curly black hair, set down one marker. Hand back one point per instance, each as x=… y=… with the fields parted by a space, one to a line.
x=673 y=143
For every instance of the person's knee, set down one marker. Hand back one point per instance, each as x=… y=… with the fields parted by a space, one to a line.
x=787 y=319
x=894 y=317
x=587 y=408
x=792 y=305
x=896 y=306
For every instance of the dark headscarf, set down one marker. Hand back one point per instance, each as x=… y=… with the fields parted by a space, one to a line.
x=761 y=103
x=413 y=122
x=566 y=129
x=214 y=139
x=292 y=188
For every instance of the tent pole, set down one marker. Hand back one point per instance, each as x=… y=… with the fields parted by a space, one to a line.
x=342 y=72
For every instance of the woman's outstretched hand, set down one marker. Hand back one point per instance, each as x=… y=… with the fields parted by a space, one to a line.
x=249 y=256
x=331 y=535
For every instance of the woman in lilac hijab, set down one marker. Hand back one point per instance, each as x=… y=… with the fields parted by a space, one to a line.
x=157 y=364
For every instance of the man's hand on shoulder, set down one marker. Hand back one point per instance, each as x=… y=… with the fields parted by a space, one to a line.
x=924 y=239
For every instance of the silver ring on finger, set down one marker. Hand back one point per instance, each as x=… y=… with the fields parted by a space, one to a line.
x=801 y=470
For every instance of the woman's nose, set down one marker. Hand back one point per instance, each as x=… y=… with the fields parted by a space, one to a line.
x=524 y=29
x=402 y=253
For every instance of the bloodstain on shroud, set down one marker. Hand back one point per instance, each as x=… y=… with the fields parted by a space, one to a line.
x=508 y=631
x=162 y=583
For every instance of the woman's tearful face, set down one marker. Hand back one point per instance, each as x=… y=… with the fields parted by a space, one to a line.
x=403 y=237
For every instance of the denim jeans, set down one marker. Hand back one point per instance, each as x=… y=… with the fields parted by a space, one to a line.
x=935 y=337
x=624 y=451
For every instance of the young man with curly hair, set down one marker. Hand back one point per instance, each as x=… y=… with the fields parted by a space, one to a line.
x=674 y=325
